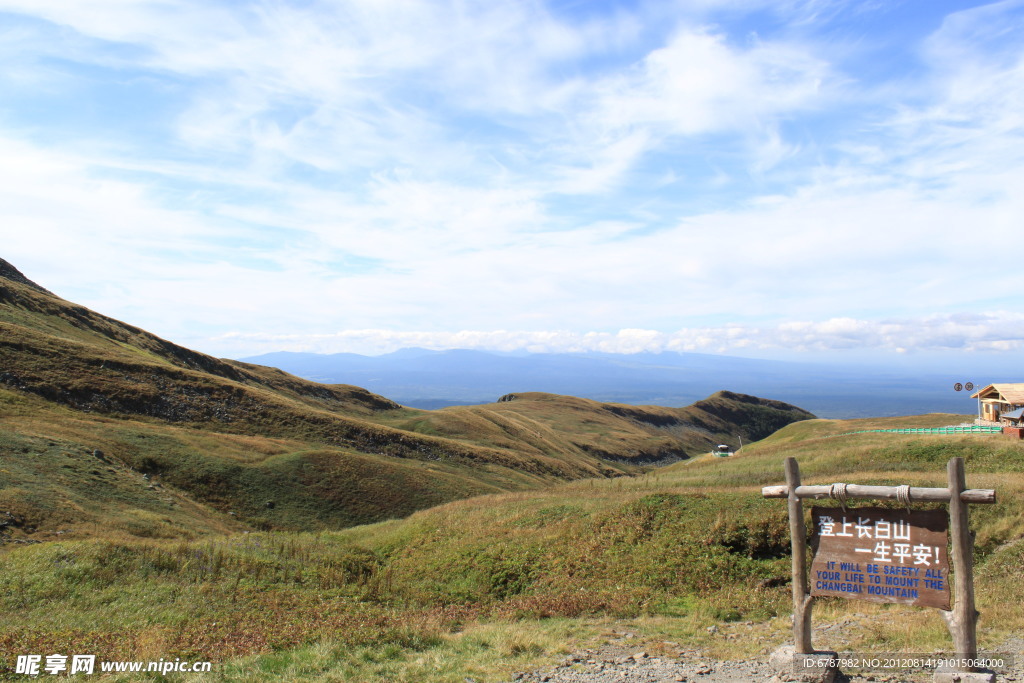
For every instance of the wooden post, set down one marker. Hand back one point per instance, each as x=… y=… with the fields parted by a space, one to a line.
x=962 y=620
x=798 y=543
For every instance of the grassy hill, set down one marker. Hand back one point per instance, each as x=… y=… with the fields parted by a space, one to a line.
x=159 y=503
x=107 y=430
x=486 y=586
x=547 y=424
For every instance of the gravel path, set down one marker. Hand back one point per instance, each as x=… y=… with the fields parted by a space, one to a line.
x=606 y=666
x=617 y=663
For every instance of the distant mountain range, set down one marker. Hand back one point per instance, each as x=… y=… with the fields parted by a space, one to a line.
x=429 y=379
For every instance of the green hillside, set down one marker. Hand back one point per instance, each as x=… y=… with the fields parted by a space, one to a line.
x=107 y=430
x=159 y=503
x=486 y=586
x=541 y=423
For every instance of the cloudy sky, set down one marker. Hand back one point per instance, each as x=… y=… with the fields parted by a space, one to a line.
x=739 y=176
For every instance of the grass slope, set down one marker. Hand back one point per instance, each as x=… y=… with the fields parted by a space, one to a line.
x=486 y=586
x=192 y=444
x=550 y=424
x=65 y=472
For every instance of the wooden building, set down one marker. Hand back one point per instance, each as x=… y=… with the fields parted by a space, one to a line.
x=1001 y=403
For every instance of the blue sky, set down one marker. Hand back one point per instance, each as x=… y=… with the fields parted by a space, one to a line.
x=762 y=178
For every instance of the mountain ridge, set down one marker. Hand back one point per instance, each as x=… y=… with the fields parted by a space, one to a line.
x=11 y=273
x=239 y=443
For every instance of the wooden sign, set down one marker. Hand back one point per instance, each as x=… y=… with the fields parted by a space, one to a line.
x=881 y=555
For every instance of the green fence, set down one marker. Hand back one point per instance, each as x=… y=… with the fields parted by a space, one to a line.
x=966 y=429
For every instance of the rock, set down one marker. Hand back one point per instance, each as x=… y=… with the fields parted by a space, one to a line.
x=810 y=668
x=946 y=676
x=782 y=659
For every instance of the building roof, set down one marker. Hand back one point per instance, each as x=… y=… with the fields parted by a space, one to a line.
x=1011 y=393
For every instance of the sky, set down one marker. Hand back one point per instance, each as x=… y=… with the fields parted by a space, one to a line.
x=777 y=178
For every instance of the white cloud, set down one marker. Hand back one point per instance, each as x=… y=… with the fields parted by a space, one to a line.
x=423 y=254
x=698 y=84
x=996 y=331
x=694 y=86
x=443 y=166
x=365 y=85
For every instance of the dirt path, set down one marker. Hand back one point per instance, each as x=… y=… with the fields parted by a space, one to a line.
x=617 y=663
x=611 y=666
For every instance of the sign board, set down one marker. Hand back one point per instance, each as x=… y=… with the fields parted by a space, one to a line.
x=881 y=555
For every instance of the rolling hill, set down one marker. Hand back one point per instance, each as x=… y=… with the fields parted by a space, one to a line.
x=129 y=466
x=106 y=428
x=687 y=563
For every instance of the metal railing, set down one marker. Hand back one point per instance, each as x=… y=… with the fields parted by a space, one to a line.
x=962 y=429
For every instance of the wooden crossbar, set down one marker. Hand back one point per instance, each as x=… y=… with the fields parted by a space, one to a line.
x=917 y=494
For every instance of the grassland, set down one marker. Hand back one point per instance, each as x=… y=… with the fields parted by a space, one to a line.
x=159 y=503
x=107 y=430
x=489 y=585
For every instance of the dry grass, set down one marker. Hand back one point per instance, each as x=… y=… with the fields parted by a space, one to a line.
x=486 y=586
x=238 y=446
x=475 y=586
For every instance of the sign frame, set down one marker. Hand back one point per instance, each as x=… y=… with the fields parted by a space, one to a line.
x=962 y=619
